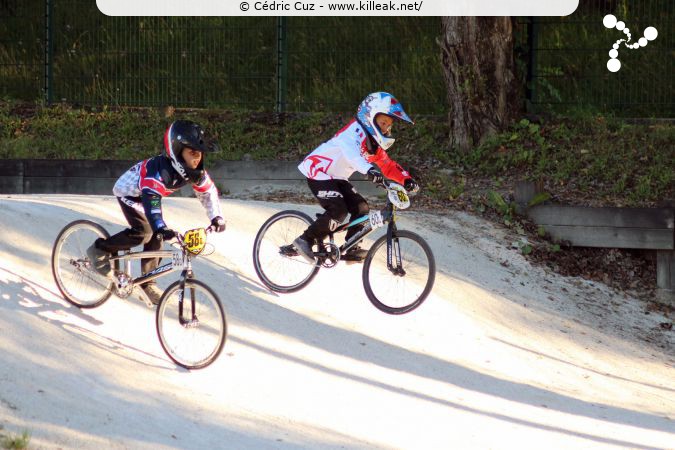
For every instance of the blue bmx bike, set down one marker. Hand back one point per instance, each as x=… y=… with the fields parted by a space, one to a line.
x=398 y=271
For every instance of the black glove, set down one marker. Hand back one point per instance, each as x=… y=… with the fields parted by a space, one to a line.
x=165 y=234
x=218 y=224
x=375 y=175
x=411 y=185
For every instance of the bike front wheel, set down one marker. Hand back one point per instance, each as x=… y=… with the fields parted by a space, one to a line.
x=276 y=262
x=191 y=324
x=401 y=288
x=73 y=272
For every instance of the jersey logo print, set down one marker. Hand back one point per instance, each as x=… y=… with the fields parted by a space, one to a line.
x=319 y=164
x=328 y=194
x=146 y=181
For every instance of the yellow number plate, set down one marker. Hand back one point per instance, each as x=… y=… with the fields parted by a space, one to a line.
x=195 y=240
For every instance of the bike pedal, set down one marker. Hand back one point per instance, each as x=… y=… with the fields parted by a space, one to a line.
x=352 y=259
x=288 y=250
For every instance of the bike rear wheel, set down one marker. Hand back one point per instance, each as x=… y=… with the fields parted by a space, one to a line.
x=277 y=265
x=399 y=291
x=73 y=273
x=194 y=337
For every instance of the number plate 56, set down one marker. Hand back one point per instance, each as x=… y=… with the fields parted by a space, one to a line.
x=195 y=240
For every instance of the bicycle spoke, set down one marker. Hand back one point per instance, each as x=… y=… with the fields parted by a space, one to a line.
x=192 y=344
x=399 y=289
x=77 y=284
x=281 y=272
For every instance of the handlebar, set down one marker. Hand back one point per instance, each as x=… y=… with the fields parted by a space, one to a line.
x=207 y=230
x=386 y=182
x=180 y=237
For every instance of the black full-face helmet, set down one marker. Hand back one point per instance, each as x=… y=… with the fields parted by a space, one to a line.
x=182 y=134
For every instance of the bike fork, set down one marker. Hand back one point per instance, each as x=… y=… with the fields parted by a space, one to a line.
x=192 y=321
x=394 y=252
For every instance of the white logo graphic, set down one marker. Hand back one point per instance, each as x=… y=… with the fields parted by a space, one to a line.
x=376 y=219
x=609 y=21
x=328 y=194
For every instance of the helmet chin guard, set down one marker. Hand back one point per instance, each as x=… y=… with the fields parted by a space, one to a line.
x=183 y=134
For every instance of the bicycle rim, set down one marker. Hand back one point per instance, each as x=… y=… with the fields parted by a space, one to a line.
x=77 y=280
x=399 y=294
x=278 y=272
x=197 y=340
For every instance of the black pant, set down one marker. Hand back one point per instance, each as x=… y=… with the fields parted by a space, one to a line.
x=140 y=232
x=338 y=198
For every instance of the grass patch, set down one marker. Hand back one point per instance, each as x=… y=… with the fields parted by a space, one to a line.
x=607 y=159
x=15 y=442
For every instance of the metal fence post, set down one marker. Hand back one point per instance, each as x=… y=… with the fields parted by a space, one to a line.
x=282 y=62
x=532 y=31
x=49 y=51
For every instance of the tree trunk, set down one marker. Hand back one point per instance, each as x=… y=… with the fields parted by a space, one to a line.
x=478 y=63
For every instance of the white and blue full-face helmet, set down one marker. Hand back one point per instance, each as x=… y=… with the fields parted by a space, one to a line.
x=380 y=103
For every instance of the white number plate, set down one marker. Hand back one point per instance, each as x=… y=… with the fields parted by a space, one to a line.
x=376 y=220
x=177 y=260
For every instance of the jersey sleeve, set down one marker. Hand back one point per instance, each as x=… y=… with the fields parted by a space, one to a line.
x=390 y=168
x=152 y=205
x=207 y=193
x=152 y=187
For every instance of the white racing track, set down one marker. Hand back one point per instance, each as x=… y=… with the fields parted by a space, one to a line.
x=501 y=355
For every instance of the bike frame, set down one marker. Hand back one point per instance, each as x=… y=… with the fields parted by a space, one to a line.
x=160 y=271
x=388 y=217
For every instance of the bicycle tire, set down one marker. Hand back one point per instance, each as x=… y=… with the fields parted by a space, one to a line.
x=170 y=330
x=292 y=266
x=57 y=253
x=377 y=299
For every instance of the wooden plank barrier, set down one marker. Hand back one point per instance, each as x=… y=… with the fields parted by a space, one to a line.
x=610 y=227
x=26 y=176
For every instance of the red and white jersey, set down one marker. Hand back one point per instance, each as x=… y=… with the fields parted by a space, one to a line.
x=346 y=153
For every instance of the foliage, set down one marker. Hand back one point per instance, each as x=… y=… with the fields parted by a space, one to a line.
x=506 y=209
x=539 y=198
x=12 y=442
x=605 y=159
x=591 y=155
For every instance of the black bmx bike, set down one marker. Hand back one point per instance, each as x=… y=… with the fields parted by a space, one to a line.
x=190 y=318
x=398 y=271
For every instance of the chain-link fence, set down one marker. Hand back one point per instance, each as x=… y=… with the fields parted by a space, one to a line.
x=66 y=50
x=22 y=49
